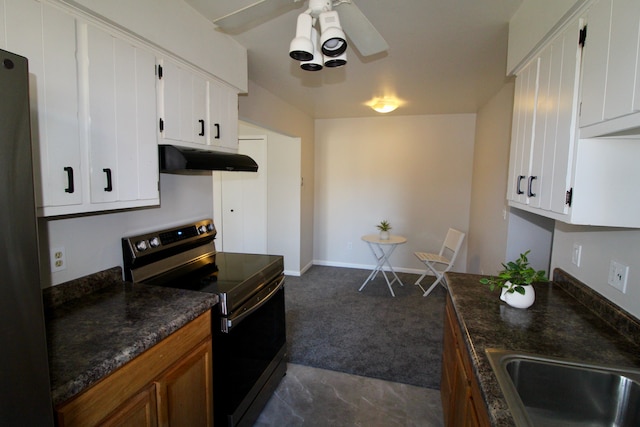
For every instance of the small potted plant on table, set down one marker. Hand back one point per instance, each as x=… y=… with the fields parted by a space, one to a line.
x=384 y=228
x=515 y=282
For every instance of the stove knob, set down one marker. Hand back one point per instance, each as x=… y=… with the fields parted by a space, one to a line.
x=202 y=229
x=142 y=245
x=210 y=226
x=154 y=242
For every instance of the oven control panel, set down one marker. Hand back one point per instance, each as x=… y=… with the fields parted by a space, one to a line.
x=156 y=241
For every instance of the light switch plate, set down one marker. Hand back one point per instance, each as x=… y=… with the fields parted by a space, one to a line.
x=577 y=253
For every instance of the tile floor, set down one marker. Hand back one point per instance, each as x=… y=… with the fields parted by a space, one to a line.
x=316 y=397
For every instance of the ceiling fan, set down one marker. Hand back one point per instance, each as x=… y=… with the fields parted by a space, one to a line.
x=362 y=34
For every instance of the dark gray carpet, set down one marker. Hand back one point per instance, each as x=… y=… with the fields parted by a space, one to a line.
x=331 y=325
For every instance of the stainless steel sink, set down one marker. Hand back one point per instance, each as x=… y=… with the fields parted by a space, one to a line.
x=544 y=391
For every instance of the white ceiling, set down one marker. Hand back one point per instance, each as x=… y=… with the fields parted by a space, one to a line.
x=445 y=56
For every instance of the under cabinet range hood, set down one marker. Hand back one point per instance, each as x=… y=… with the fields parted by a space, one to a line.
x=192 y=161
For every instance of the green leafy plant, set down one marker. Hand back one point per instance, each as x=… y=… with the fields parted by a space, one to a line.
x=518 y=273
x=384 y=226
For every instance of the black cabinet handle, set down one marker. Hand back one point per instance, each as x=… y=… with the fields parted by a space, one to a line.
x=530 y=192
x=520 y=178
x=70 y=188
x=201 y=127
x=217 y=125
x=109 y=186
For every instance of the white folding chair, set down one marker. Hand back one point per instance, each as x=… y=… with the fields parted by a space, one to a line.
x=440 y=263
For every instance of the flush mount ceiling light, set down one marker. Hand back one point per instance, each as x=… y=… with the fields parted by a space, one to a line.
x=315 y=47
x=384 y=105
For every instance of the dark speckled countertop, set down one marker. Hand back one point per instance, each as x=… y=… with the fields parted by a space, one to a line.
x=565 y=321
x=98 y=323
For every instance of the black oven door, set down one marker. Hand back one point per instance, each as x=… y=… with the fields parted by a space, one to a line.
x=249 y=357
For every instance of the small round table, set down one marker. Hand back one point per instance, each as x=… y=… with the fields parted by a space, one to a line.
x=382 y=250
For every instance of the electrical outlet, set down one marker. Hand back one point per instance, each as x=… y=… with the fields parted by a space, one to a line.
x=577 y=253
x=618 y=276
x=58 y=259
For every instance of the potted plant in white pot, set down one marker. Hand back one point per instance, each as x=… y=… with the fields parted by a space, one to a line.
x=515 y=282
x=384 y=228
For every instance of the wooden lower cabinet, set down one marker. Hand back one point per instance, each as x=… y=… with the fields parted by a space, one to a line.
x=184 y=392
x=461 y=399
x=140 y=410
x=168 y=385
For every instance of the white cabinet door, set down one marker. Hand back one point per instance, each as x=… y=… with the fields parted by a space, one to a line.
x=183 y=106
x=569 y=55
x=554 y=133
x=610 y=71
x=100 y=99
x=522 y=132
x=544 y=124
x=223 y=117
x=622 y=71
x=594 y=68
x=47 y=38
x=120 y=98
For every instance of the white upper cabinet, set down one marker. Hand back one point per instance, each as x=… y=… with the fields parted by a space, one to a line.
x=555 y=171
x=120 y=106
x=93 y=111
x=46 y=36
x=543 y=128
x=223 y=117
x=183 y=104
x=195 y=110
x=611 y=78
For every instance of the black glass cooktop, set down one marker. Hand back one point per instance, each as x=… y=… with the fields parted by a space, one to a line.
x=233 y=276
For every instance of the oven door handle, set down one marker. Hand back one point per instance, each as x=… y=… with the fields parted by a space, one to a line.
x=227 y=323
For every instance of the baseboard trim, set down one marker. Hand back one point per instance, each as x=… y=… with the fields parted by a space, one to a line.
x=364 y=266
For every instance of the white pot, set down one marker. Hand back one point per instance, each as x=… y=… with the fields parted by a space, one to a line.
x=515 y=299
x=384 y=235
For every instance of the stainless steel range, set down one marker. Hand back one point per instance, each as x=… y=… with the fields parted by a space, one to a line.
x=249 y=336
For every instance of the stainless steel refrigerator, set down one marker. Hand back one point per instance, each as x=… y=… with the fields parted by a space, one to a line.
x=25 y=391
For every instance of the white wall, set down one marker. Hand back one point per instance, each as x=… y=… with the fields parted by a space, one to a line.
x=414 y=171
x=487 y=239
x=600 y=245
x=92 y=243
x=530 y=232
x=262 y=108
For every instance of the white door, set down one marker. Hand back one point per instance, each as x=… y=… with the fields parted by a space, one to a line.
x=244 y=203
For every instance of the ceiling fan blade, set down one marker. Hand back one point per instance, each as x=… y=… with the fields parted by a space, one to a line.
x=260 y=10
x=360 y=30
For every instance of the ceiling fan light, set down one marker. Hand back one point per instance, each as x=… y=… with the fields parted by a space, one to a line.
x=301 y=47
x=332 y=40
x=315 y=64
x=337 y=61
